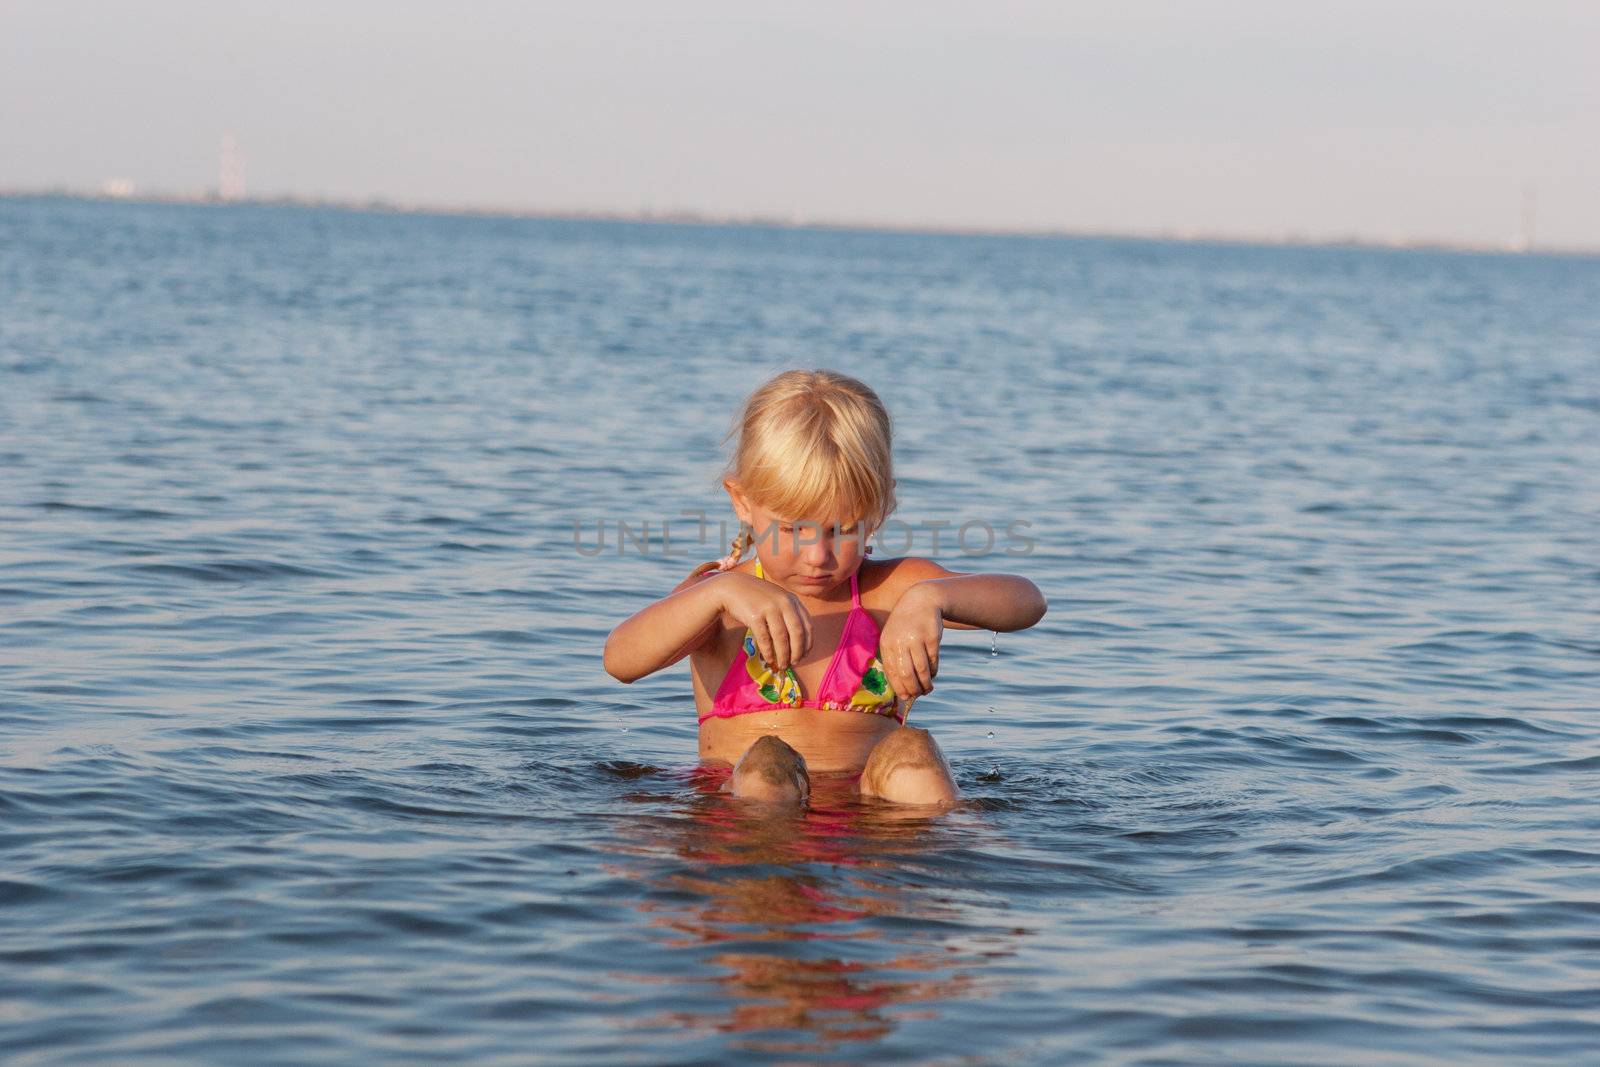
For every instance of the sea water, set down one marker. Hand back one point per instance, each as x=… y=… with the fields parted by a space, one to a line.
x=307 y=754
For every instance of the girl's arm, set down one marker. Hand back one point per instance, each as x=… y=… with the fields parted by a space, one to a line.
x=666 y=631
x=999 y=602
x=670 y=629
x=937 y=598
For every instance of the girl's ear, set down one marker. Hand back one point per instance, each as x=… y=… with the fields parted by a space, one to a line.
x=741 y=507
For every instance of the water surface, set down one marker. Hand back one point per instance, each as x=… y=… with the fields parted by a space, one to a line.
x=307 y=755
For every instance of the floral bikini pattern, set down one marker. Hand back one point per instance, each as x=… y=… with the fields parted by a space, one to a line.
x=872 y=695
x=854 y=681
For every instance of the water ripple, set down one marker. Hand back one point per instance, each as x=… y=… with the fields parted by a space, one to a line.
x=307 y=755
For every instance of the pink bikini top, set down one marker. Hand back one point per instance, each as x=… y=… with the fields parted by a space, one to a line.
x=854 y=680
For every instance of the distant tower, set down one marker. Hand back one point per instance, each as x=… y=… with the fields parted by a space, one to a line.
x=230 y=170
x=1530 y=214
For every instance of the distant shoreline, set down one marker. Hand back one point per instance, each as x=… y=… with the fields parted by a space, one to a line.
x=379 y=205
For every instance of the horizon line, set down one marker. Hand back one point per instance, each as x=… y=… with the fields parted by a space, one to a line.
x=693 y=217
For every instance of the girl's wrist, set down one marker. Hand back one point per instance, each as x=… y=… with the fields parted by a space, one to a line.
x=717 y=587
x=928 y=593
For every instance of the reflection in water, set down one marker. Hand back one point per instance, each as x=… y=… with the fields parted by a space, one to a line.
x=812 y=924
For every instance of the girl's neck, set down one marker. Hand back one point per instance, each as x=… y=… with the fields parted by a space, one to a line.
x=832 y=597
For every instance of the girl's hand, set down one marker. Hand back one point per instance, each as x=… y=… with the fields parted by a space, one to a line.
x=909 y=645
x=775 y=617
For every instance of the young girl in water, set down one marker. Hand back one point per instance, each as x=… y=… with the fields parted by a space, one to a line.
x=807 y=656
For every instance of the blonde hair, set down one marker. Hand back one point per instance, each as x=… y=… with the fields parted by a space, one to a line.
x=815 y=443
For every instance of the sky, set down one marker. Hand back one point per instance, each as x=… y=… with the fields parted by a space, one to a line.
x=1402 y=120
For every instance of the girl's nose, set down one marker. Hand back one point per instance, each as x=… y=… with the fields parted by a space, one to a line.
x=816 y=555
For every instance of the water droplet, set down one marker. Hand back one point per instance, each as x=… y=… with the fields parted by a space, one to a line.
x=991 y=735
x=991 y=711
x=624 y=728
x=994 y=643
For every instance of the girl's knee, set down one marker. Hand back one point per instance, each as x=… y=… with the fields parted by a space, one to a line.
x=771 y=770
x=907 y=767
x=907 y=744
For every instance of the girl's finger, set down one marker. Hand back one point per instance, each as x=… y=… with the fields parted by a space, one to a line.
x=919 y=664
x=799 y=631
x=758 y=630
x=772 y=653
x=908 y=671
x=778 y=634
x=897 y=681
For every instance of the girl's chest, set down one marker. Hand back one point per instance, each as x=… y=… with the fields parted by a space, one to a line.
x=711 y=666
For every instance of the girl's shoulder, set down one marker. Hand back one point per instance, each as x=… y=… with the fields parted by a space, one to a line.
x=709 y=570
x=718 y=632
x=886 y=580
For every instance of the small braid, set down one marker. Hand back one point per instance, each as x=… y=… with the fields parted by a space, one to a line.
x=731 y=560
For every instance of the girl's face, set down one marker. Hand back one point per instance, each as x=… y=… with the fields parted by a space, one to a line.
x=807 y=556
